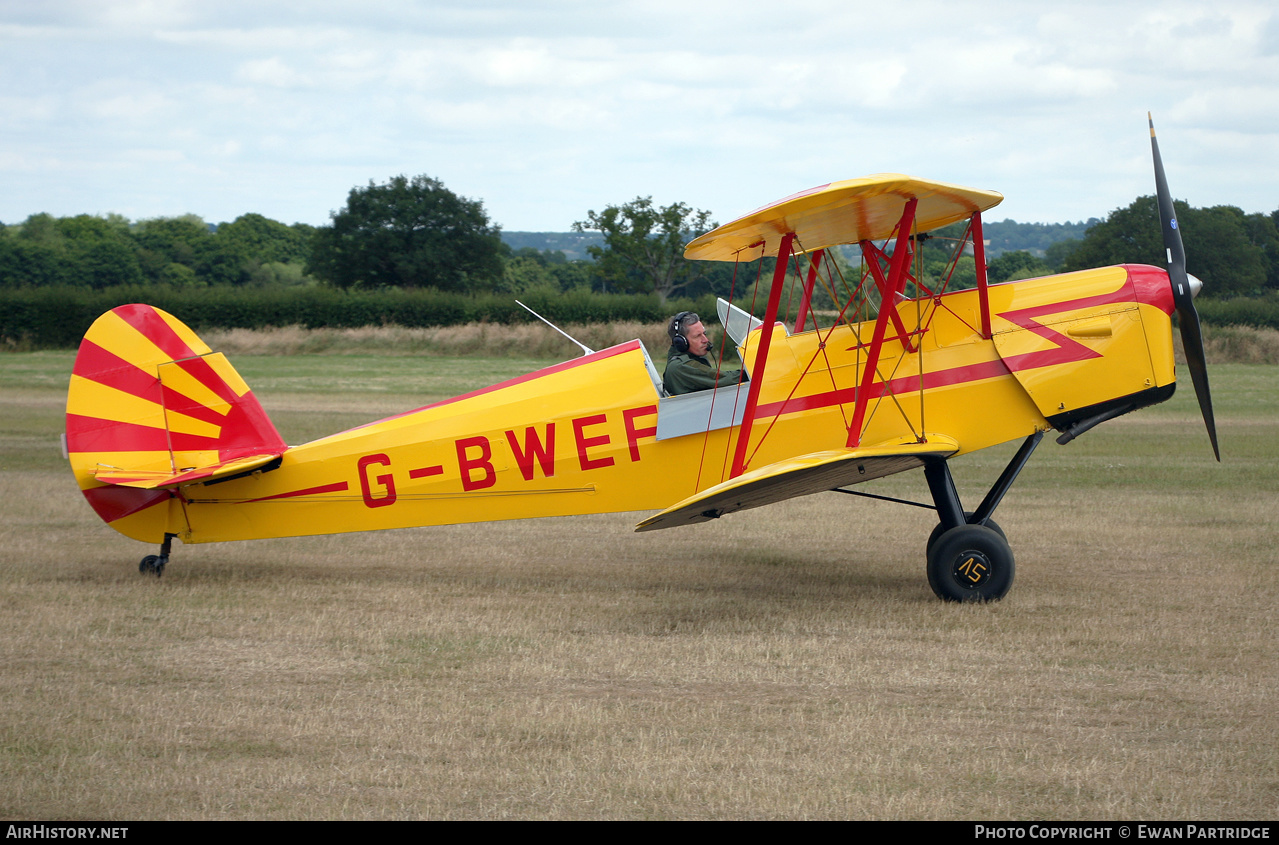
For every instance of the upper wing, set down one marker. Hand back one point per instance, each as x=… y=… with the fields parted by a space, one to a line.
x=812 y=473
x=844 y=212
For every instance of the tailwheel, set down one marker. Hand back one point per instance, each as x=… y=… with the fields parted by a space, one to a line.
x=968 y=516
x=156 y=563
x=970 y=563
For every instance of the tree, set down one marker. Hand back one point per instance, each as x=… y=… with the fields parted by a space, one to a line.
x=81 y=250
x=106 y=263
x=1229 y=263
x=524 y=273
x=1218 y=249
x=408 y=233
x=1264 y=233
x=1058 y=253
x=175 y=239
x=936 y=252
x=644 y=245
x=529 y=268
x=1018 y=264
x=1035 y=238
x=188 y=241
x=26 y=263
x=266 y=240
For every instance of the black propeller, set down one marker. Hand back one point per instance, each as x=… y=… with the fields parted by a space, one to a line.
x=1183 y=295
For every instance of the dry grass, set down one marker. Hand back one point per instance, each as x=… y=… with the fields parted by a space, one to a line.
x=1241 y=345
x=1236 y=345
x=788 y=664
x=525 y=340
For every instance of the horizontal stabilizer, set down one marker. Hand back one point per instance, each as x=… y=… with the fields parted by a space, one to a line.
x=151 y=480
x=813 y=473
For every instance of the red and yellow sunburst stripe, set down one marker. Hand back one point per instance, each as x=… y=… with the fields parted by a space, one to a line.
x=150 y=403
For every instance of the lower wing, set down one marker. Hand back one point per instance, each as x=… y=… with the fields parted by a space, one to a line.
x=813 y=473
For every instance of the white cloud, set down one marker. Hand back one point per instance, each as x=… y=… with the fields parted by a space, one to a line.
x=127 y=106
x=273 y=72
x=545 y=110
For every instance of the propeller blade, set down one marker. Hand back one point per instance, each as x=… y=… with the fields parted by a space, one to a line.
x=1182 y=295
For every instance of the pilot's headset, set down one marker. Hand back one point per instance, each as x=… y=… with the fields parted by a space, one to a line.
x=677 y=329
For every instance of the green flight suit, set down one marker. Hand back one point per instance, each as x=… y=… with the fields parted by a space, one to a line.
x=688 y=373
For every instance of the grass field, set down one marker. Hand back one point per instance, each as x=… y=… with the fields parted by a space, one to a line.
x=789 y=662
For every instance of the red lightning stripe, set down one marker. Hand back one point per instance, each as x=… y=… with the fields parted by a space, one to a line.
x=309 y=491
x=1066 y=351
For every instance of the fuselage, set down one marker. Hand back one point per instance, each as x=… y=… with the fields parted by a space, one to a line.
x=595 y=434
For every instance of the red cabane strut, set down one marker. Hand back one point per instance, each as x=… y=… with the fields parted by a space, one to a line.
x=890 y=287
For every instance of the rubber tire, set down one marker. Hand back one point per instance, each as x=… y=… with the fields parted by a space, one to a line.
x=937 y=532
x=960 y=547
x=147 y=565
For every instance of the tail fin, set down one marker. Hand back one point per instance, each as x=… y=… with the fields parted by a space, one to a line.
x=150 y=409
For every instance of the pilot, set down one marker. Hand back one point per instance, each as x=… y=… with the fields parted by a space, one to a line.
x=688 y=367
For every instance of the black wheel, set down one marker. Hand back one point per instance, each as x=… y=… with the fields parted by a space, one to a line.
x=149 y=564
x=970 y=563
x=968 y=515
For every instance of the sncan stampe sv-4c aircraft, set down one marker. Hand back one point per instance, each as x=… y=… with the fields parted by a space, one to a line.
x=167 y=441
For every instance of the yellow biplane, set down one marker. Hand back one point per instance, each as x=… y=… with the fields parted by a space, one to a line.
x=167 y=441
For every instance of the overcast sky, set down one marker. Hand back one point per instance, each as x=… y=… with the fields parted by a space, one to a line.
x=545 y=110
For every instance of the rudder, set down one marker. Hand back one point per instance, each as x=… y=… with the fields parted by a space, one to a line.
x=150 y=407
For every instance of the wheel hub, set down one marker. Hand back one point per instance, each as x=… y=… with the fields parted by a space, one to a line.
x=971 y=569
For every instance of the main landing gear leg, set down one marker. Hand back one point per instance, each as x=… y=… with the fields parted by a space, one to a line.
x=969 y=558
x=156 y=563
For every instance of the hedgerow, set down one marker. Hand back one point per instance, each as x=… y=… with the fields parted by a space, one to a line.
x=57 y=317
x=1260 y=312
